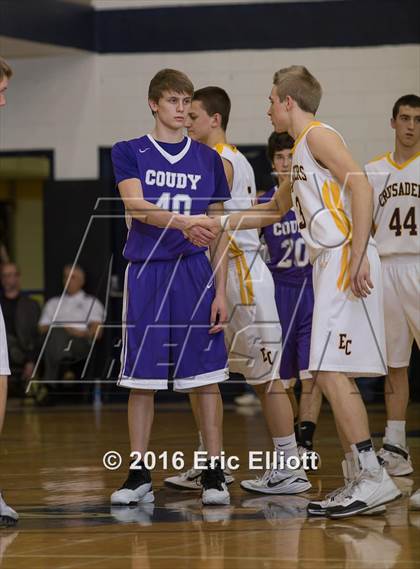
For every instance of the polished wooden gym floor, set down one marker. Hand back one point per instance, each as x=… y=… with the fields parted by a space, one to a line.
x=52 y=473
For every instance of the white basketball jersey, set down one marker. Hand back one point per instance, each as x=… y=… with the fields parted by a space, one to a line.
x=322 y=207
x=396 y=204
x=243 y=196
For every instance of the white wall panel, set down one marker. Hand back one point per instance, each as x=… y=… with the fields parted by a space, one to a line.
x=74 y=104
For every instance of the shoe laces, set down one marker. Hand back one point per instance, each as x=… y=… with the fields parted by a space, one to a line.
x=363 y=474
x=345 y=489
x=189 y=473
x=302 y=449
x=268 y=474
x=348 y=490
x=386 y=455
x=334 y=493
x=383 y=453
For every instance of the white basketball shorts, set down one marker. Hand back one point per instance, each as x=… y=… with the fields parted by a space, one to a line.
x=348 y=334
x=253 y=333
x=401 y=279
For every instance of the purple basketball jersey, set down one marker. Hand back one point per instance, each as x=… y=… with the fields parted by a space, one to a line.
x=289 y=257
x=186 y=183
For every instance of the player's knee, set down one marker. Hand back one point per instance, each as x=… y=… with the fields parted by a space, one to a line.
x=398 y=373
x=212 y=389
x=269 y=387
x=259 y=389
x=327 y=382
x=142 y=392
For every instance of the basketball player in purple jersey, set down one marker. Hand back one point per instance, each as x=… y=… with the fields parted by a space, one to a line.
x=292 y=274
x=7 y=515
x=174 y=302
x=252 y=329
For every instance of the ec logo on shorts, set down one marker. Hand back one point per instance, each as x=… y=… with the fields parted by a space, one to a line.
x=344 y=344
x=266 y=354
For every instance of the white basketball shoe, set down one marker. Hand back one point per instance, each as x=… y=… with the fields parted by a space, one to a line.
x=137 y=488
x=310 y=459
x=369 y=490
x=350 y=473
x=396 y=459
x=8 y=516
x=279 y=482
x=191 y=479
x=214 y=488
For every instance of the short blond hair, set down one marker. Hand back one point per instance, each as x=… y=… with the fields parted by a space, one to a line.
x=5 y=70
x=297 y=82
x=169 y=80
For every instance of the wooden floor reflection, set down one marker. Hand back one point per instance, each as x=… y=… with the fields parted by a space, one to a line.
x=52 y=473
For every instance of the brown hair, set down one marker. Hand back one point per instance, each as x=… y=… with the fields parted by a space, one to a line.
x=5 y=70
x=169 y=80
x=412 y=101
x=300 y=85
x=215 y=100
x=278 y=141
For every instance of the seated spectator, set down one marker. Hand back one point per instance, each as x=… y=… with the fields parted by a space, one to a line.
x=21 y=315
x=74 y=318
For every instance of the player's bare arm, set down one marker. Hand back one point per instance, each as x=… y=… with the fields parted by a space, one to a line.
x=263 y=214
x=328 y=148
x=197 y=234
x=219 y=260
x=255 y=217
x=228 y=168
x=137 y=207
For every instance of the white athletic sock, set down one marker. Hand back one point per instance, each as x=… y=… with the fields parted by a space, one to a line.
x=286 y=447
x=395 y=433
x=366 y=455
x=350 y=463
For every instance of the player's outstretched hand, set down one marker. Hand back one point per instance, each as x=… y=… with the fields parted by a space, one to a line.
x=360 y=280
x=201 y=230
x=218 y=314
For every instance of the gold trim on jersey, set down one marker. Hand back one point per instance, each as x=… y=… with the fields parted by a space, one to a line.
x=234 y=248
x=304 y=131
x=221 y=145
x=343 y=281
x=331 y=195
x=377 y=158
x=404 y=164
x=244 y=275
